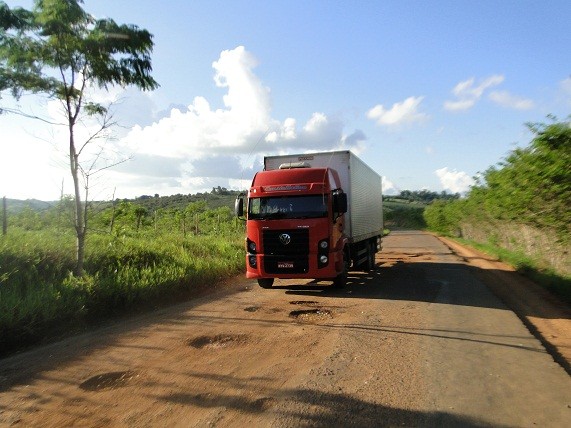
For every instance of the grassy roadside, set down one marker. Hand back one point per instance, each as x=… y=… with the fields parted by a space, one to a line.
x=39 y=296
x=557 y=284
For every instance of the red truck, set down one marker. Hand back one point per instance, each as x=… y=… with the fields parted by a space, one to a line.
x=312 y=216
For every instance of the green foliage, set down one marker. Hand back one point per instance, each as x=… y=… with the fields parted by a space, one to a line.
x=403 y=214
x=422 y=196
x=58 y=35
x=139 y=263
x=407 y=208
x=531 y=186
x=557 y=283
x=59 y=50
x=214 y=199
x=530 y=189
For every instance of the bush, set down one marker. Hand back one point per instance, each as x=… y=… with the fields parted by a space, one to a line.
x=37 y=290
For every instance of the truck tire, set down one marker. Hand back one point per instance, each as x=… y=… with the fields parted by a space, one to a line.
x=266 y=282
x=370 y=263
x=340 y=281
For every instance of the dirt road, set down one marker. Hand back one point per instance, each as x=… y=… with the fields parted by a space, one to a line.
x=420 y=341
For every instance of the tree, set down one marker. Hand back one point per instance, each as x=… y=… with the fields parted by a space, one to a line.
x=140 y=212
x=533 y=184
x=59 y=50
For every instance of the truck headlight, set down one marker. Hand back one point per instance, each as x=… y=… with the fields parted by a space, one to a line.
x=322 y=253
x=252 y=261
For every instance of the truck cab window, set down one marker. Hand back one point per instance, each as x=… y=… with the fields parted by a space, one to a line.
x=306 y=206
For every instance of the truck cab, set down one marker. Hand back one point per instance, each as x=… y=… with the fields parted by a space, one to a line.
x=295 y=224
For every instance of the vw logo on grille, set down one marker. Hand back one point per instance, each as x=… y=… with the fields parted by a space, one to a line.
x=285 y=238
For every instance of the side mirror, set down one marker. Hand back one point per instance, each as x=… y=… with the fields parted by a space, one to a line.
x=340 y=203
x=239 y=207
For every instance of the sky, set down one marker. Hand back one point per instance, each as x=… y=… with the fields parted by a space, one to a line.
x=429 y=94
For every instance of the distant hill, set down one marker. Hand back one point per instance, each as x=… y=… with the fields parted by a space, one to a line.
x=17 y=205
x=218 y=197
x=222 y=197
x=215 y=199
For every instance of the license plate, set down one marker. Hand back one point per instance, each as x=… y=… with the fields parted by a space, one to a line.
x=285 y=265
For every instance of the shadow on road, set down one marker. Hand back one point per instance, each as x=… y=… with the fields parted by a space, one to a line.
x=308 y=407
x=431 y=282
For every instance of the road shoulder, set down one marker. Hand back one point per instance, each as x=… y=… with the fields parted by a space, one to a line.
x=547 y=317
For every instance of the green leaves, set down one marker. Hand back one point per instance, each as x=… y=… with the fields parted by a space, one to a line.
x=530 y=186
x=60 y=50
x=58 y=38
x=533 y=184
x=17 y=18
x=93 y=109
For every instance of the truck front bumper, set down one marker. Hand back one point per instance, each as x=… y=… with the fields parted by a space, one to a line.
x=305 y=266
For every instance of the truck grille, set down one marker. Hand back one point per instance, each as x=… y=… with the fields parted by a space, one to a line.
x=286 y=251
x=275 y=242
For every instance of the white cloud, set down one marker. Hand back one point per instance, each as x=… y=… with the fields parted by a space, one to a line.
x=459 y=105
x=505 y=99
x=400 y=113
x=240 y=130
x=389 y=187
x=193 y=147
x=468 y=92
x=453 y=180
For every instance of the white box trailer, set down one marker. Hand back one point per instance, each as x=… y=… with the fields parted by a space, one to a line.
x=363 y=186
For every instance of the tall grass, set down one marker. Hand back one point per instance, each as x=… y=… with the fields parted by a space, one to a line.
x=37 y=290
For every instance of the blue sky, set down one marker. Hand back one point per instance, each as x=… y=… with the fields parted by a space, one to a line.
x=427 y=93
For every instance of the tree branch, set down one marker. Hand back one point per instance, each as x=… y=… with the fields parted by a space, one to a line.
x=29 y=116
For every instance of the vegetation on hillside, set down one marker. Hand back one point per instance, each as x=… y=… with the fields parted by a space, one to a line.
x=520 y=209
x=135 y=256
x=532 y=186
x=59 y=50
x=407 y=208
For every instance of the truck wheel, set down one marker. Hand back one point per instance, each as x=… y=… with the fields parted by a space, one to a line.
x=340 y=281
x=370 y=263
x=266 y=282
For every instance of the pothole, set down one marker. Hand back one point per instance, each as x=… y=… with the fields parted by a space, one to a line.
x=218 y=341
x=109 y=380
x=263 y=404
x=303 y=302
x=309 y=315
x=252 y=308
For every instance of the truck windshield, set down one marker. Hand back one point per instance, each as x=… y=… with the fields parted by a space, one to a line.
x=307 y=206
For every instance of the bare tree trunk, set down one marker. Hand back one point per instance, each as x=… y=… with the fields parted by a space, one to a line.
x=113 y=212
x=79 y=215
x=61 y=208
x=4 y=216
